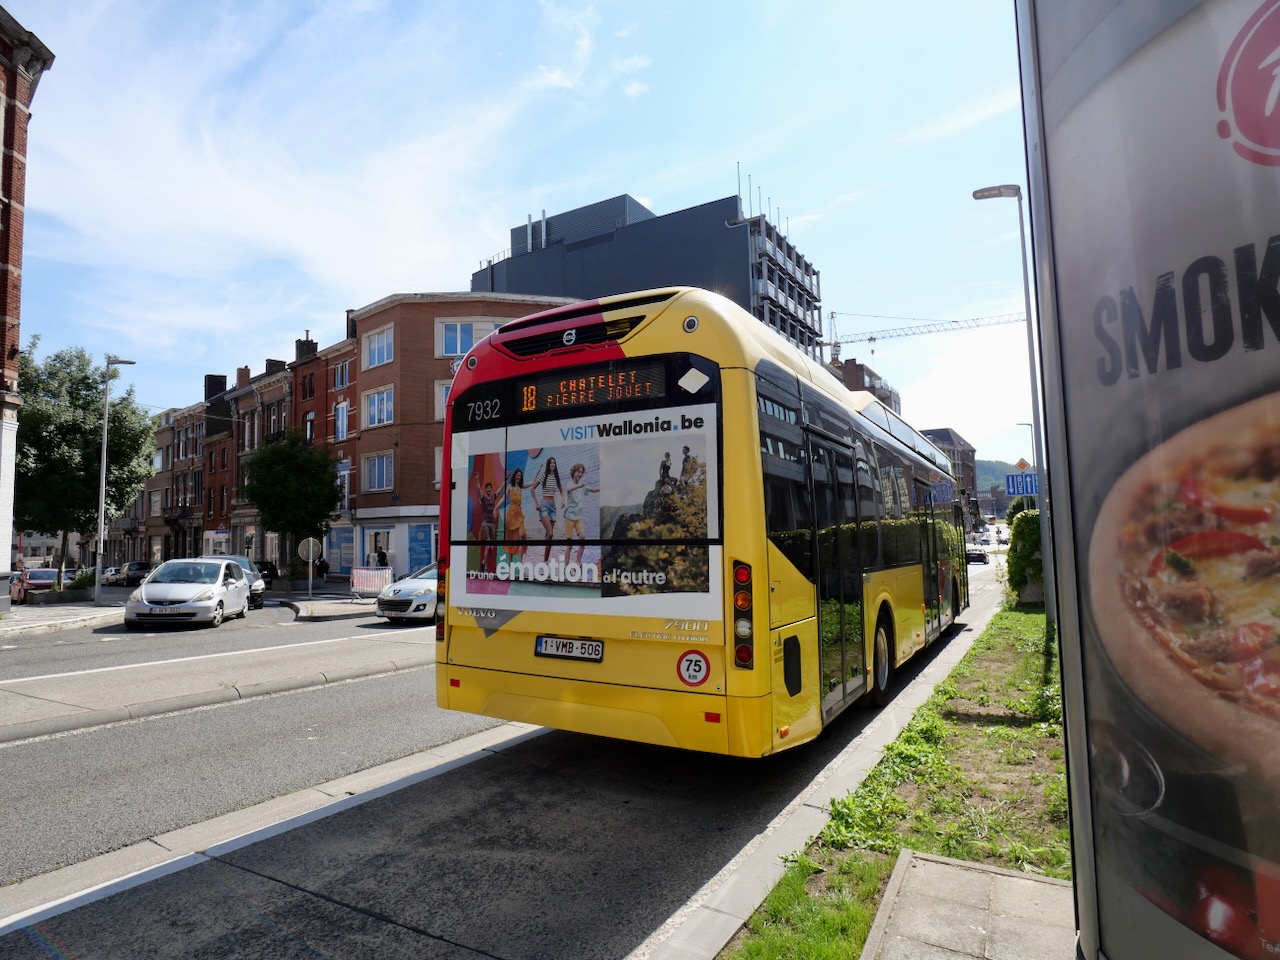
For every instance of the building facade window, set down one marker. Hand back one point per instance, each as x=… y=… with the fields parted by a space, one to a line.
x=379 y=348
x=439 y=466
x=342 y=374
x=378 y=472
x=456 y=337
x=309 y=428
x=344 y=484
x=379 y=407
x=340 y=414
x=442 y=397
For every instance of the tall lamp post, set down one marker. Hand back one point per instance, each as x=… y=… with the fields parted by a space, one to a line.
x=112 y=361
x=1042 y=486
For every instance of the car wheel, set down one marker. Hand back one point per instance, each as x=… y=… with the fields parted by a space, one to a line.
x=216 y=621
x=259 y=603
x=244 y=611
x=882 y=671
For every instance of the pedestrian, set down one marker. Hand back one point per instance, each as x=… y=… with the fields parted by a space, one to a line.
x=382 y=557
x=322 y=568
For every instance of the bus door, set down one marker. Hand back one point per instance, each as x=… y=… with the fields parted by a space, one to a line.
x=933 y=588
x=838 y=578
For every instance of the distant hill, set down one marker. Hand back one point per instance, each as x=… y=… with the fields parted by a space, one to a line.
x=992 y=472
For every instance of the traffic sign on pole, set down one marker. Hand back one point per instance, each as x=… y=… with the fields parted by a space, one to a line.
x=1021 y=485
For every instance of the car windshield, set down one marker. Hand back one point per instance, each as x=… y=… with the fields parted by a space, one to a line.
x=186 y=573
x=41 y=575
x=426 y=573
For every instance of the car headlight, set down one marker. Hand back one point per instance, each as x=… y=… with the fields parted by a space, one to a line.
x=422 y=591
x=136 y=596
x=202 y=596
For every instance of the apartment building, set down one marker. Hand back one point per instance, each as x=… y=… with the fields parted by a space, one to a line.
x=406 y=349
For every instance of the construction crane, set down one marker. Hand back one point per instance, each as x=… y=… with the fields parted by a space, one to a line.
x=941 y=326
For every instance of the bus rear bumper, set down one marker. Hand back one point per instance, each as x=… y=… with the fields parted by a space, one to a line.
x=712 y=723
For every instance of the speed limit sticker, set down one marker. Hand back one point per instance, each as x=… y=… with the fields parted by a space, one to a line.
x=693 y=668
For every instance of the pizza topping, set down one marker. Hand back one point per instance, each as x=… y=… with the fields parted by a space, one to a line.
x=1189 y=602
x=1192 y=492
x=1260 y=672
x=1259 y=565
x=1205 y=545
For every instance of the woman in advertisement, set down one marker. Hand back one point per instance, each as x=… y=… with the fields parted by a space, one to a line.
x=548 y=494
x=515 y=514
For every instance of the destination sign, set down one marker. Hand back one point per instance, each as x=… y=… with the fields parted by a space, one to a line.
x=592 y=385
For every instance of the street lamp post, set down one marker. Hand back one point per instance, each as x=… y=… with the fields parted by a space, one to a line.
x=102 y=482
x=1046 y=551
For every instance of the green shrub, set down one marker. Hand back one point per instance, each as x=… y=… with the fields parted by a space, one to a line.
x=1023 y=561
x=83 y=582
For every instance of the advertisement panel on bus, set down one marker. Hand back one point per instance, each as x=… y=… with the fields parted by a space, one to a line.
x=590 y=514
x=1154 y=140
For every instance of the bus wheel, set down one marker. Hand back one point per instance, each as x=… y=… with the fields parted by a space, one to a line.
x=883 y=669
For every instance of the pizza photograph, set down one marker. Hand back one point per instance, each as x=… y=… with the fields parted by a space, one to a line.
x=1184 y=569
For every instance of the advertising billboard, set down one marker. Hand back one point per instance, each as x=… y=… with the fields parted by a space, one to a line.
x=1153 y=144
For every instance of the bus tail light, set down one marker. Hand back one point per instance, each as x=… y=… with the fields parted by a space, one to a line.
x=744 y=652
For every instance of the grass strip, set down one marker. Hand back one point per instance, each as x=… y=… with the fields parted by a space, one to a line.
x=979 y=774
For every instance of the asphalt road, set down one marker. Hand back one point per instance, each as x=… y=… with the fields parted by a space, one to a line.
x=559 y=846
x=96 y=648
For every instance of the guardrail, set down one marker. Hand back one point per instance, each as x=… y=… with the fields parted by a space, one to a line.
x=369 y=581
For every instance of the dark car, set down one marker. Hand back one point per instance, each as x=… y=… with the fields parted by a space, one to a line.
x=269 y=572
x=975 y=554
x=135 y=571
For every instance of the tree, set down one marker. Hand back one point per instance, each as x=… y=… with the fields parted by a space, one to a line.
x=1016 y=506
x=59 y=456
x=294 y=485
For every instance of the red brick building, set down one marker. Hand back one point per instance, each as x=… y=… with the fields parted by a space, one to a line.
x=406 y=346
x=23 y=58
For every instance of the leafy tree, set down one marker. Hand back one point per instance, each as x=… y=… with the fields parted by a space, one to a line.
x=59 y=455
x=1016 y=506
x=294 y=485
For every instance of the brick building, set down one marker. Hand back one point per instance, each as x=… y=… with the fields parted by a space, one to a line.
x=23 y=58
x=406 y=347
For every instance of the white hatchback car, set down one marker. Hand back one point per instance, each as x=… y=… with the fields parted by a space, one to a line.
x=410 y=598
x=189 y=591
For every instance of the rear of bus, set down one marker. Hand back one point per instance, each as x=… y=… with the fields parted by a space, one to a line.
x=602 y=542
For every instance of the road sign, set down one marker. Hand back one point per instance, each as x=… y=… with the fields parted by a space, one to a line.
x=1021 y=485
x=309 y=549
x=1022 y=464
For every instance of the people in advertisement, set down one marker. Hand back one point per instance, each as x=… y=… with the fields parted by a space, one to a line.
x=548 y=494
x=575 y=501
x=488 y=501
x=607 y=526
x=1161 y=196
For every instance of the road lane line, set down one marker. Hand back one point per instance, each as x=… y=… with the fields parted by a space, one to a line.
x=161 y=663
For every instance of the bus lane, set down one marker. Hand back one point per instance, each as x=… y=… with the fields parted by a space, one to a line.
x=549 y=845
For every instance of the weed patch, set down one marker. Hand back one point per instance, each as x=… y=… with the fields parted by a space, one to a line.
x=978 y=774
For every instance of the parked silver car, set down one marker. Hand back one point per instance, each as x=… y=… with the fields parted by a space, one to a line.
x=189 y=591
x=410 y=598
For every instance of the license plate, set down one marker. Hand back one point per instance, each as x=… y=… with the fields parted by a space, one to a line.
x=569 y=649
x=162 y=611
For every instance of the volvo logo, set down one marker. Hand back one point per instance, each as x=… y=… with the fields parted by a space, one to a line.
x=477 y=613
x=569 y=337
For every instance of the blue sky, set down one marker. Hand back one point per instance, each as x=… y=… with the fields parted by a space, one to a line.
x=208 y=181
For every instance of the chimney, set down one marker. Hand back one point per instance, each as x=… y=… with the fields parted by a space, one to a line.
x=275 y=366
x=351 y=325
x=214 y=384
x=306 y=347
x=242 y=377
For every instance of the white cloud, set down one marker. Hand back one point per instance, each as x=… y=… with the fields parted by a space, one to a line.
x=960 y=120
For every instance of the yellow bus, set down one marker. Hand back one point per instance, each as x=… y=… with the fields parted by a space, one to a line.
x=663 y=522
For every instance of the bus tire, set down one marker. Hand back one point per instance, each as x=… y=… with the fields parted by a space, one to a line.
x=882 y=670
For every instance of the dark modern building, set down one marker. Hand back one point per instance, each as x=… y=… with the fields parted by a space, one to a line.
x=964 y=464
x=618 y=245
